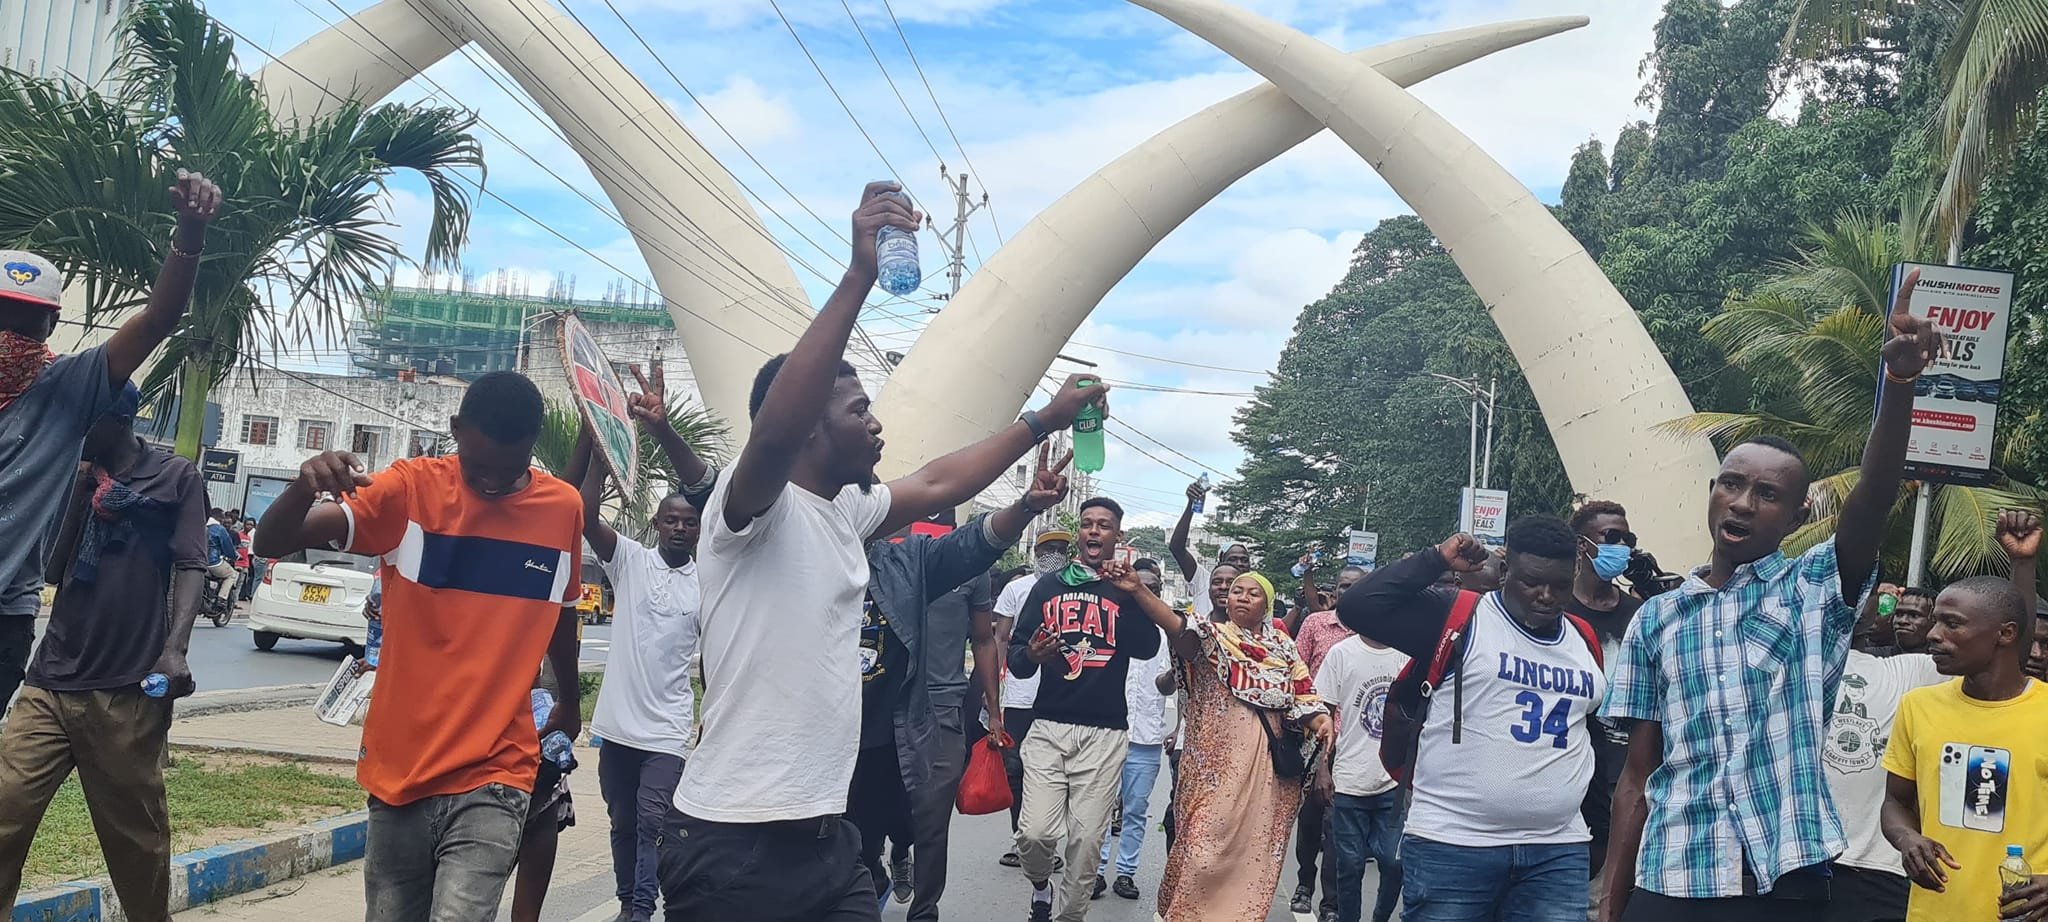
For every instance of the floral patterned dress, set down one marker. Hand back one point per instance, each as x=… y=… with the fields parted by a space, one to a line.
x=1234 y=816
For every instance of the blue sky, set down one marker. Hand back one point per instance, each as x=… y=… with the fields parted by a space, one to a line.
x=1041 y=93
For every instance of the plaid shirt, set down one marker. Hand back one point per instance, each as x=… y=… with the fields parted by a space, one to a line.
x=1741 y=679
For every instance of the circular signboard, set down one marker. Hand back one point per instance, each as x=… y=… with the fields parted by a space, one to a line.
x=601 y=400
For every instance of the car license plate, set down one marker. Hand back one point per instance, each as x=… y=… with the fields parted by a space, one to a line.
x=314 y=595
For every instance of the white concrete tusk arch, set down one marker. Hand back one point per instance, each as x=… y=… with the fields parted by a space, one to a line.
x=1599 y=379
x=951 y=387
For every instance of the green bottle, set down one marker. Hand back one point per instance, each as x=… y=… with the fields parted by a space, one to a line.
x=1088 y=433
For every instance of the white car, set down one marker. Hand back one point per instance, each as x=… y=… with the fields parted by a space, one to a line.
x=313 y=595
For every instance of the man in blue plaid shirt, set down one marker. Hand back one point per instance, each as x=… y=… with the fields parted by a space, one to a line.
x=1729 y=811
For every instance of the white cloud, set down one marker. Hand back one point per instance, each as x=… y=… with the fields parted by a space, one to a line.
x=754 y=116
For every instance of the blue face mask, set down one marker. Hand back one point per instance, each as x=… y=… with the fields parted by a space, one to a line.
x=1610 y=560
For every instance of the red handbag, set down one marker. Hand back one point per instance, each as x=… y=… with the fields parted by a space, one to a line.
x=985 y=786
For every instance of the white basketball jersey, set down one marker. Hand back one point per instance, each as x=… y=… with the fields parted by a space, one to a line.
x=1520 y=771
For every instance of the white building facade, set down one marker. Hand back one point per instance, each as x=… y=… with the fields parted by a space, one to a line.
x=54 y=38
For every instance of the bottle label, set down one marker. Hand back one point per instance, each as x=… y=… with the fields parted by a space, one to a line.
x=1093 y=424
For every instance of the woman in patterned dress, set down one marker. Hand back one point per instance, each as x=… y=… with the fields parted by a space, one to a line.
x=1234 y=815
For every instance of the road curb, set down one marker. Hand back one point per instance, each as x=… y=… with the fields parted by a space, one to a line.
x=234 y=700
x=211 y=874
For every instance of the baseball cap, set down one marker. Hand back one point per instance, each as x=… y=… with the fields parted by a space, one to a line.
x=30 y=279
x=1051 y=536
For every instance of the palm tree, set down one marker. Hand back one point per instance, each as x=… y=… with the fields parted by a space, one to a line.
x=1992 y=73
x=1810 y=338
x=706 y=434
x=300 y=236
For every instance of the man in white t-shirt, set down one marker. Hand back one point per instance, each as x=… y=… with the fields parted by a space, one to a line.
x=1147 y=750
x=1365 y=806
x=1198 y=576
x=1869 y=880
x=1048 y=553
x=644 y=708
x=784 y=575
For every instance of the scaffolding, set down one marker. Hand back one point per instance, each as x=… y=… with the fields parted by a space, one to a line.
x=464 y=333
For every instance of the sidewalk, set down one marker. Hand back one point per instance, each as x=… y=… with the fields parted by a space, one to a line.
x=288 y=731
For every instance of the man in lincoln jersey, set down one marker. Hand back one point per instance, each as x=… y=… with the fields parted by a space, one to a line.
x=1086 y=632
x=1471 y=853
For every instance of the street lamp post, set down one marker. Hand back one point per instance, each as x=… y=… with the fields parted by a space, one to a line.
x=1478 y=473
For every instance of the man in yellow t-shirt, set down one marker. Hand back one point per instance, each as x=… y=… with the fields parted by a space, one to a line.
x=1980 y=744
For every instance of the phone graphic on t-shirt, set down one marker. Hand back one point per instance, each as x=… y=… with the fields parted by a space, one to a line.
x=1975 y=781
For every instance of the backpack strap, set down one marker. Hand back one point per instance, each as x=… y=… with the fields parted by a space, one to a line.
x=1449 y=644
x=1592 y=639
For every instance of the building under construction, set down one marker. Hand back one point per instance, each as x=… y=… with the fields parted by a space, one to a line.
x=463 y=333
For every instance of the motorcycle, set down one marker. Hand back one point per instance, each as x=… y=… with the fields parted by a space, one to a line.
x=215 y=607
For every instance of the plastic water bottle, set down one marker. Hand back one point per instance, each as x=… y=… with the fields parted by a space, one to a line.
x=897 y=268
x=1886 y=604
x=1088 y=434
x=1298 y=569
x=156 y=685
x=2013 y=873
x=374 y=643
x=555 y=746
x=1203 y=500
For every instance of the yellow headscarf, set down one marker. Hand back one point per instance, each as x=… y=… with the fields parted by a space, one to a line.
x=1260 y=665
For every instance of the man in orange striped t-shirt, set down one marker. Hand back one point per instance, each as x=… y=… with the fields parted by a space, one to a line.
x=480 y=571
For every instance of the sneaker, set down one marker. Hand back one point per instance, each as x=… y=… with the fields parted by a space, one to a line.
x=1125 y=887
x=1010 y=860
x=1101 y=887
x=1059 y=864
x=1304 y=900
x=900 y=873
x=1041 y=912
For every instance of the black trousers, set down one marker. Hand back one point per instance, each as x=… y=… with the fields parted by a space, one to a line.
x=1310 y=835
x=1645 y=906
x=1017 y=723
x=806 y=870
x=1867 y=896
x=879 y=809
x=931 y=814
x=17 y=638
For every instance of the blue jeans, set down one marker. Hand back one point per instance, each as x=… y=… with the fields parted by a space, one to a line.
x=1503 y=883
x=1361 y=828
x=1141 y=772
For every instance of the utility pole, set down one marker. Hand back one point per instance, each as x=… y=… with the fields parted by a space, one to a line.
x=1476 y=476
x=963 y=206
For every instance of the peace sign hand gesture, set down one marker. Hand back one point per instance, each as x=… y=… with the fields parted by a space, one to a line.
x=1048 y=485
x=650 y=406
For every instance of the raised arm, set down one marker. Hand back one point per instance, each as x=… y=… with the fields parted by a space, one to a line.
x=2020 y=534
x=650 y=407
x=1859 y=530
x=794 y=403
x=956 y=478
x=590 y=469
x=1399 y=604
x=292 y=524
x=1177 y=543
x=196 y=200
x=1183 y=641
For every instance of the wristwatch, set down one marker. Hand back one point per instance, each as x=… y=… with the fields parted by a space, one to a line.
x=1038 y=431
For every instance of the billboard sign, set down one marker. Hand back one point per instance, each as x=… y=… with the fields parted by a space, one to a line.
x=1486 y=514
x=1363 y=549
x=219 y=465
x=1955 y=400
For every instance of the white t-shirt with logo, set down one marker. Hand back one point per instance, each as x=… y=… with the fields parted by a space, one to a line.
x=1144 y=706
x=1354 y=678
x=646 y=701
x=1853 y=753
x=1521 y=771
x=781 y=637
x=1017 y=693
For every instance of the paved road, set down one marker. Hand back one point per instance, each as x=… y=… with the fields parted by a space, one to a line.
x=226 y=657
x=979 y=889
